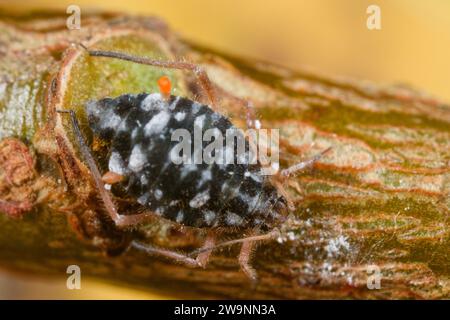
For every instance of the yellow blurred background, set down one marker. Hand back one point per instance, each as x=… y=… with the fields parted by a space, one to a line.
x=328 y=36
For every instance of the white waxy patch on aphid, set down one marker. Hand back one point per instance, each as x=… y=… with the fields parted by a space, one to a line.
x=247 y=174
x=144 y=179
x=179 y=116
x=173 y=203
x=200 y=199
x=137 y=159
x=215 y=117
x=233 y=219
x=229 y=155
x=111 y=121
x=255 y=177
x=195 y=107
x=275 y=166
x=116 y=164
x=157 y=123
x=134 y=133
x=257 y=124
x=142 y=200
x=158 y=194
x=243 y=158
x=225 y=186
x=93 y=108
x=174 y=103
x=123 y=126
x=206 y=176
x=200 y=121
x=209 y=216
x=153 y=102
x=186 y=169
x=250 y=201
x=180 y=216
x=107 y=186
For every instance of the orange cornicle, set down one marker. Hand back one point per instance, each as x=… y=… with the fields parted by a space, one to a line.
x=164 y=86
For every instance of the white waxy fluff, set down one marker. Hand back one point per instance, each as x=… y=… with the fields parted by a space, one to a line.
x=229 y=155
x=254 y=177
x=180 y=116
x=116 y=164
x=153 y=102
x=210 y=216
x=173 y=105
x=180 y=216
x=137 y=159
x=110 y=121
x=142 y=200
x=195 y=107
x=206 y=176
x=186 y=169
x=200 y=121
x=157 y=123
x=158 y=194
x=144 y=179
x=243 y=158
x=233 y=219
x=200 y=199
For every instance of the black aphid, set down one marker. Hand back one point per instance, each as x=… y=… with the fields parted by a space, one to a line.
x=139 y=129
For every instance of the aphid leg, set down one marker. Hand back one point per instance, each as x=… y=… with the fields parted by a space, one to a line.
x=119 y=220
x=112 y=178
x=286 y=173
x=200 y=261
x=251 y=121
x=203 y=257
x=171 y=255
x=244 y=260
x=200 y=73
x=283 y=192
x=246 y=250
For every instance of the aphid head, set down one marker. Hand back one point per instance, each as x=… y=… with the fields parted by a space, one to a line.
x=271 y=211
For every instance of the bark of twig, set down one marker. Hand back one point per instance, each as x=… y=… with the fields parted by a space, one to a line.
x=379 y=198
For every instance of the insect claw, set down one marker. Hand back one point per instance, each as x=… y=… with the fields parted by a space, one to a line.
x=112 y=177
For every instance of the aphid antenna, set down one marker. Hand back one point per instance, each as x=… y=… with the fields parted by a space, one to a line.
x=199 y=72
x=91 y=162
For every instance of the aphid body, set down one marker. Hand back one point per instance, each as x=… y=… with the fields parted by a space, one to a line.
x=140 y=129
x=208 y=195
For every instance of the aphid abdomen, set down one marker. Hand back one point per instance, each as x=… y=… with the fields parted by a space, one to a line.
x=140 y=129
